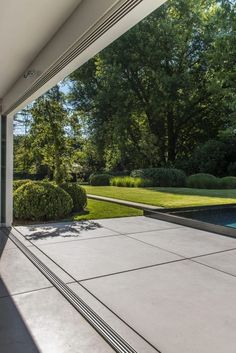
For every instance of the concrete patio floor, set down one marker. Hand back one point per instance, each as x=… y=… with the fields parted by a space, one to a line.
x=163 y=287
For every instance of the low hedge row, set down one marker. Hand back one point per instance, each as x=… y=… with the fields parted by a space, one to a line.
x=208 y=181
x=166 y=177
x=147 y=177
x=203 y=181
x=44 y=201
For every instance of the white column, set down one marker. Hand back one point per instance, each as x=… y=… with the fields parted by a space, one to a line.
x=0 y=168
x=9 y=171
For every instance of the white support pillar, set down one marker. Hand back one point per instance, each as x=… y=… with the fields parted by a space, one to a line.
x=6 y=172
x=9 y=171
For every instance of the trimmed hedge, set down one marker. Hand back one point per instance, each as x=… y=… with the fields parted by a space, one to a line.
x=166 y=177
x=228 y=182
x=41 y=201
x=130 y=182
x=18 y=183
x=99 y=179
x=78 y=195
x=203 y=181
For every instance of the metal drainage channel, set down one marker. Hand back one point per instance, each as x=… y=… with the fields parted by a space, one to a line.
x=111 y=337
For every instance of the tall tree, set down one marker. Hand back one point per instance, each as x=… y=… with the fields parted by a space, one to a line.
x=169 y=81
x=47 y=133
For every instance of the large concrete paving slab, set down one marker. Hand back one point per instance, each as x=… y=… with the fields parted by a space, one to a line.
x=224 y=261
x=128 y=334
x=186 y=241
x=103 y=256
x=18 y=274
x=64 y=231
x=179 y=307
x=138 y=224
x=43 y=321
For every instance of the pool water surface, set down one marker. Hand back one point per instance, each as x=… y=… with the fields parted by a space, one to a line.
x=220 y=216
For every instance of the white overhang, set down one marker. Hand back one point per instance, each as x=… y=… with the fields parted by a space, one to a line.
x=44 y=41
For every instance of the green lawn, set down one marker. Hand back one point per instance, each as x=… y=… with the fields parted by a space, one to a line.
x=101 y=209
x=166 y=197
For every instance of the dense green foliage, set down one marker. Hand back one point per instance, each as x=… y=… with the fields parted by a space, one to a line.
x=99 y=179
x=203 y=181
x=162 y=95
x=78 y=195
x=162 y=176
x=41 y=201
x=147 y=104
x=131 y=182
x=18 y=183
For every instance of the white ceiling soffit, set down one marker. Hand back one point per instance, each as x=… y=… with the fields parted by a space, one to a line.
x=25 y=28
x=92 y=26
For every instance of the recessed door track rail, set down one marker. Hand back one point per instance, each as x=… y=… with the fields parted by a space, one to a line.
x=112 y=337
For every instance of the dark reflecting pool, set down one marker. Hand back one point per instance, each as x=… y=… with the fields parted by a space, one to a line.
x=219 y=216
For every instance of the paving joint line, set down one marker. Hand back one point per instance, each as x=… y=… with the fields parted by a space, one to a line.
x=213 y=268
x=26 y=292
x=131 y=270
x=144 y=231
x=214 y=253
x=69 y=241
x=157 y=247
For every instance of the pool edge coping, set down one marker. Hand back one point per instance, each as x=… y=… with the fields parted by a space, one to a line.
x=168 y=216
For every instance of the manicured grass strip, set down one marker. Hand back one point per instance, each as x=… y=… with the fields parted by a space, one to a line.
x=102 y=209
x=166 y=197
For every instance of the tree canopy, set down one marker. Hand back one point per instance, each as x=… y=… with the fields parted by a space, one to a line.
x=150 y=98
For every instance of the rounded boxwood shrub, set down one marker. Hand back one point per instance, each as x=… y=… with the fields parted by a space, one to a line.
x=18 y=183
x=99 y=179
x=228 y=182
x=203 y=181
x=78 y=195
x=166 y=177
x=41 y=201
